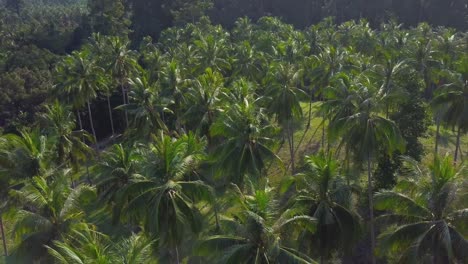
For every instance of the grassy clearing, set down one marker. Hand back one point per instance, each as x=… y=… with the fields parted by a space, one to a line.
x=309 y=142
x=447 y=143
x=306 y=141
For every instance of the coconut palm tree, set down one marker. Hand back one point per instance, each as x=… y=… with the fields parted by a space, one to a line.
x=119 y=60
x=24 y=156
x=453 y=99
x=145 y=107
x=203 y=101
x=115 y=170
x=247 y=61
x=257 y=230
x=427 y=216
x=213 y=51
x=164 y=198
x=387 y=73
x=248 y=139
x=52 y=210
x=174 y=86
x=325 y=196
x=323 y=68
x=59 y=123
x=21 y=158
x=284 y=100
x=364 y=133
x=81 y=79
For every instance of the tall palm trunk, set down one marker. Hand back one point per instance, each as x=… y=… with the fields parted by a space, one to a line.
x=310 y=109
x=92 y=123
x=291 y=146
x=457 y=146
x=124 y=97
x=110 y=115
x=5 y=250
x=371 y=207
x=177 y=255
x=80 y=123
x=436 y=149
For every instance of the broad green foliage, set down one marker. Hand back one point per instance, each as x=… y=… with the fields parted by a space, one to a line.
x=255 y=230
x=52 y=211
x=243 y=144
x=92 y=247
x=429 y=215
x=324 y=195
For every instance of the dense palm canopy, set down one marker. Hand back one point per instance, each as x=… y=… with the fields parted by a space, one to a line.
x=214 y=155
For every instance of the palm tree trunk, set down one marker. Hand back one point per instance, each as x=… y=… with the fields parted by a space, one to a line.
x=218 y=227
x=80 y=123
x=291 y=146
x=371 y=207
x=323 y=130
x=177 y=255
x=110 y=115
x=310 y=109
x=5 y=249
x=387 y=110
x=348 y=183
x=436 y=149
x=91 y=123
x=457 y=146
x=124 y=101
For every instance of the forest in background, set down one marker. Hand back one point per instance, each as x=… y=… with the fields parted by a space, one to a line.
x=34 y=34
x=233 y=131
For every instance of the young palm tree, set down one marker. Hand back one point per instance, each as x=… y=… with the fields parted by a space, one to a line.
x=89 y=246
x=52 y=210
x=327 y=198
x=256 y=230
x=24 y=156
x=364 y=133
x=165 y=197
x=429 y=216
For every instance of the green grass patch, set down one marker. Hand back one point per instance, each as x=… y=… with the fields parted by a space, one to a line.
x=308 y=141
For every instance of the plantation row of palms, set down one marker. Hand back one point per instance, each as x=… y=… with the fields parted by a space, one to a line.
x=204 y=115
